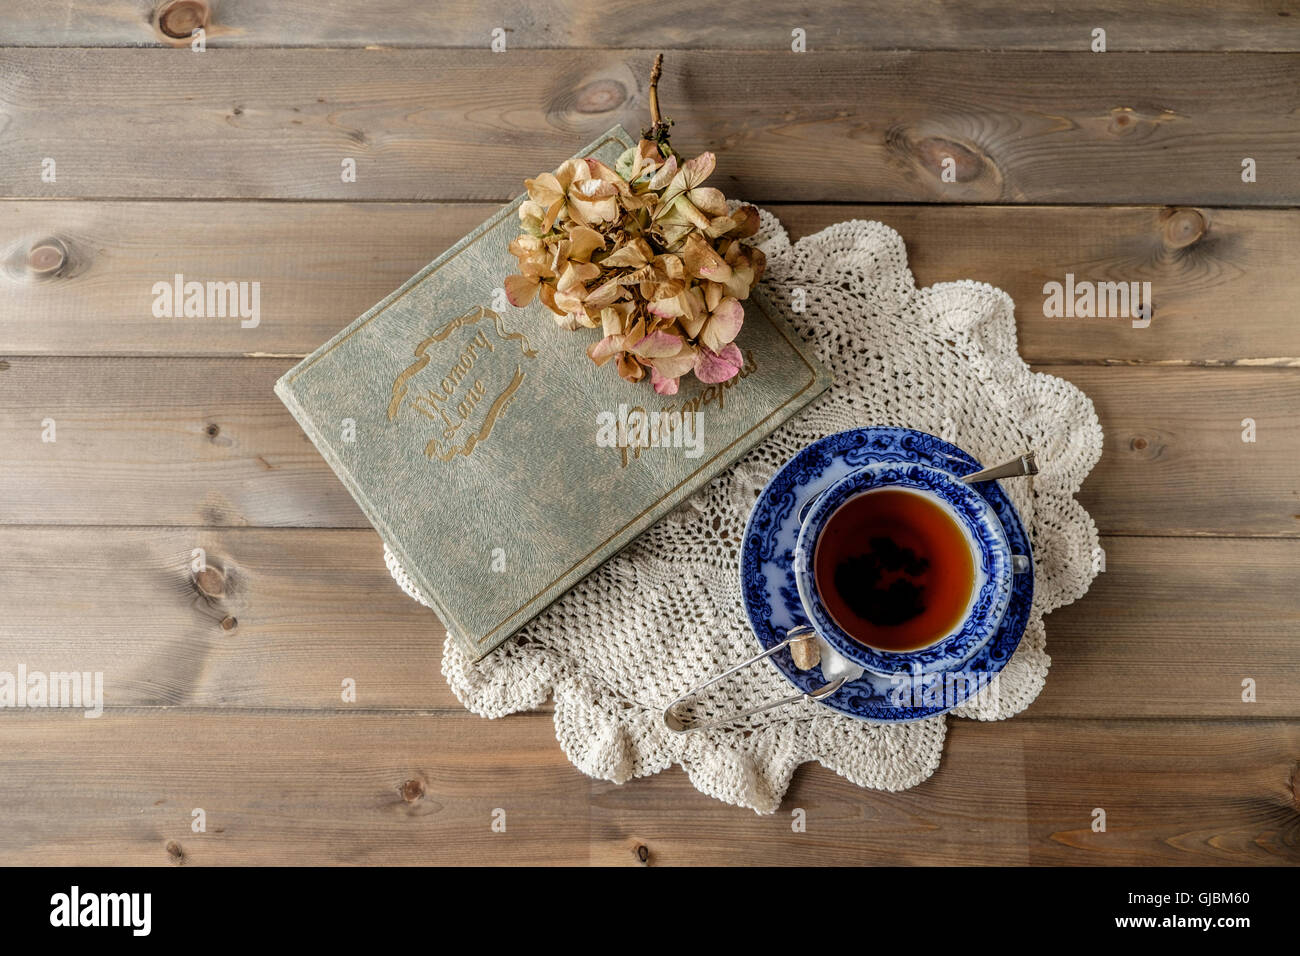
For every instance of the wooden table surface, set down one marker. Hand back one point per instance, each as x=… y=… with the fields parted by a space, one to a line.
x=223 y=688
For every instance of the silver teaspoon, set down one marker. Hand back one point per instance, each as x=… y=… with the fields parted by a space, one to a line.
x=1026 y=464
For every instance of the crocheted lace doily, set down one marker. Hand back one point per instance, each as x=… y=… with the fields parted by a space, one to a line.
x=666 y=613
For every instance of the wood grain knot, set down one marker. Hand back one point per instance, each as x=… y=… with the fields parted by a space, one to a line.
x=229 y=623
x=1122 y=120
x=47 y=257
x=178 y=19
x=933 y=150
x=1125 y=120
x=213 y=432
x=641 y=853
x=600 y=96
x=211 y=582
x=1183 y=226
x=1147 y=449
x=946 y=162
x=1294 y=783
x=175 y=851
x=412 y=790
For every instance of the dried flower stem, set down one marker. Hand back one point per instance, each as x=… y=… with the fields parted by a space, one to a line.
x=655 y=73
x=658 y=131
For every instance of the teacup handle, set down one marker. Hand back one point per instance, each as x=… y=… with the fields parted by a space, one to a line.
x=674 y=722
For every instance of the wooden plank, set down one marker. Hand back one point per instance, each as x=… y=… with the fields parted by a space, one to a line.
x=205 y=442
x=1223 y=280
x=1017 y=792
x=1176 y=459
x=1174 y=626
x=470 y=124
x=367 y=789
x=282 y=790
x=282 y=617
x=275 y=621
x=674 y=24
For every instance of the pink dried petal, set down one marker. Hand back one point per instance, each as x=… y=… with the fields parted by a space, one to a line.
x=520 y=290
x=663 y=385
x=711 y=367
x=604 y=350
x=723 y=325
x=658 y=345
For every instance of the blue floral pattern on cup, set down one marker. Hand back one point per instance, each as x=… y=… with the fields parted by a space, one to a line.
x=991 y=554
x=770 y=594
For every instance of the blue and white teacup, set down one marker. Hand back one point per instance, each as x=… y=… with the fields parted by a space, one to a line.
x=991 y=560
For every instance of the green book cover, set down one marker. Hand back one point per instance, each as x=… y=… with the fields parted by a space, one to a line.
x=477 y=436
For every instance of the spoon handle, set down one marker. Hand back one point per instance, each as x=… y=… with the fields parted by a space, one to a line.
x=1026 y=464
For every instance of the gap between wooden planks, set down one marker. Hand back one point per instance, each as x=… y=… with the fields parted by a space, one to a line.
x=470 y=124
x=76 y=277
x=290 y=789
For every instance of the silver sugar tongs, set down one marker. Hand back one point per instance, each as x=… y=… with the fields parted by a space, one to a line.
x=839 y=669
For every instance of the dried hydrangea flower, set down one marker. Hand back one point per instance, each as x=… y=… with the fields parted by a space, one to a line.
x=645 y=252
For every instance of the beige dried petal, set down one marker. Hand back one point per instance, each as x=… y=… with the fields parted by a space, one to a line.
x=547 y=297
x=693 y=173
x=629 y=367
x=604 y=294
x=568 y=303
x=664 y=175
x=522 y=246
x=592 y=210
x=649 y=155
x=713 y=293
x=691 y=213
x=669 y=307
x=553 y=214
x=611 y=322
x=545 y=189
x=583 y=241
x=575 y=275
x=740 y=282
x=567 y=321
x=702 y=261
x=571 y=171
x=633 y=255
x=708 y=200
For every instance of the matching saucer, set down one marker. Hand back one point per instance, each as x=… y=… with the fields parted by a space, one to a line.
x=770 y=591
